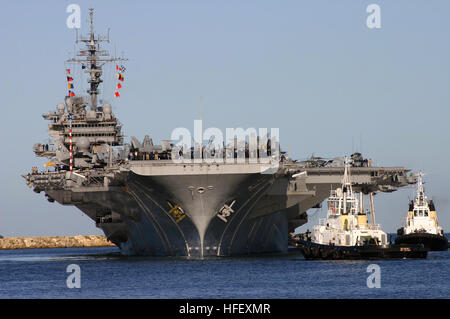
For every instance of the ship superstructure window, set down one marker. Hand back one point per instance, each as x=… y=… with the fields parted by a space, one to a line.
x=90 y=134
x=333 y=206
x=420 y=213
x=92 y=125
x=349 y=207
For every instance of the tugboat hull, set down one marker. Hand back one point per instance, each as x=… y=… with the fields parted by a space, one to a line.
x=312 y=251
x=432 y=242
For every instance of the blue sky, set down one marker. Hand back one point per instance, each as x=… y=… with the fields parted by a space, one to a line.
x=311 y=68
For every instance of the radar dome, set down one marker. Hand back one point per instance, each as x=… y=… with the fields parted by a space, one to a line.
x=83 y=144
x=60 y=107
x=107 y=108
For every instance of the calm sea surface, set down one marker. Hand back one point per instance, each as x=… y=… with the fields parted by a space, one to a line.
x=41 y=273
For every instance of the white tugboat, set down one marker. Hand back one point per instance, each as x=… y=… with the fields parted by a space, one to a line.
x=346 y=233
x=421 y=224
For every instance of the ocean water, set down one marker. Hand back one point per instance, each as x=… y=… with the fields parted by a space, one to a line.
x=42 y=273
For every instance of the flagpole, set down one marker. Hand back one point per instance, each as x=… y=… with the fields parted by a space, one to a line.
x=70 y=143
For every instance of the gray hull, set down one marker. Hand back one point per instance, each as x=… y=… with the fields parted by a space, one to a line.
x=160 y=208
x=147 y=226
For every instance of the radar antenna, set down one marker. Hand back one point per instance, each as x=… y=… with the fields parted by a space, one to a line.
x=92 y=58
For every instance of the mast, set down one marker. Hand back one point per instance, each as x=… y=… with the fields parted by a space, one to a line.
x=92 y=59
x=372 y=206
x=372 y=209
x=346 y=181
x=420 y=191
x=361 y=202
x=346 y=184
x=70 y=144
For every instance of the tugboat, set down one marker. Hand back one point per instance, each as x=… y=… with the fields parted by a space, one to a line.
x=421 y=225
x=346 y=234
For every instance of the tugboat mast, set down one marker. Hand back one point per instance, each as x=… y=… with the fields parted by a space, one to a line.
x=346 y=184
x=420 y=191
x=94 y=59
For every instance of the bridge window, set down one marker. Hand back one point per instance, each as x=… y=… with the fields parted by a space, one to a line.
x=349 y=207
x=333 y=206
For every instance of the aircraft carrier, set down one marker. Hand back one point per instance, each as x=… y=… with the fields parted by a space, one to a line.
x=239 y=201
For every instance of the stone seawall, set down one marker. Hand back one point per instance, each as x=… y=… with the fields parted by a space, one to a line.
x=54 y=242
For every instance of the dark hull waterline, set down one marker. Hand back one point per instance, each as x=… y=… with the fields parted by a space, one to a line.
x=313 y=251
x=431 y=241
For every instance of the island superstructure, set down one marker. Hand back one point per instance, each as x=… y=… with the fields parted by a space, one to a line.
x=149 y=204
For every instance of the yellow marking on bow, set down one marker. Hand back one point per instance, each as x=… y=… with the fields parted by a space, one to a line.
x=176 y=211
